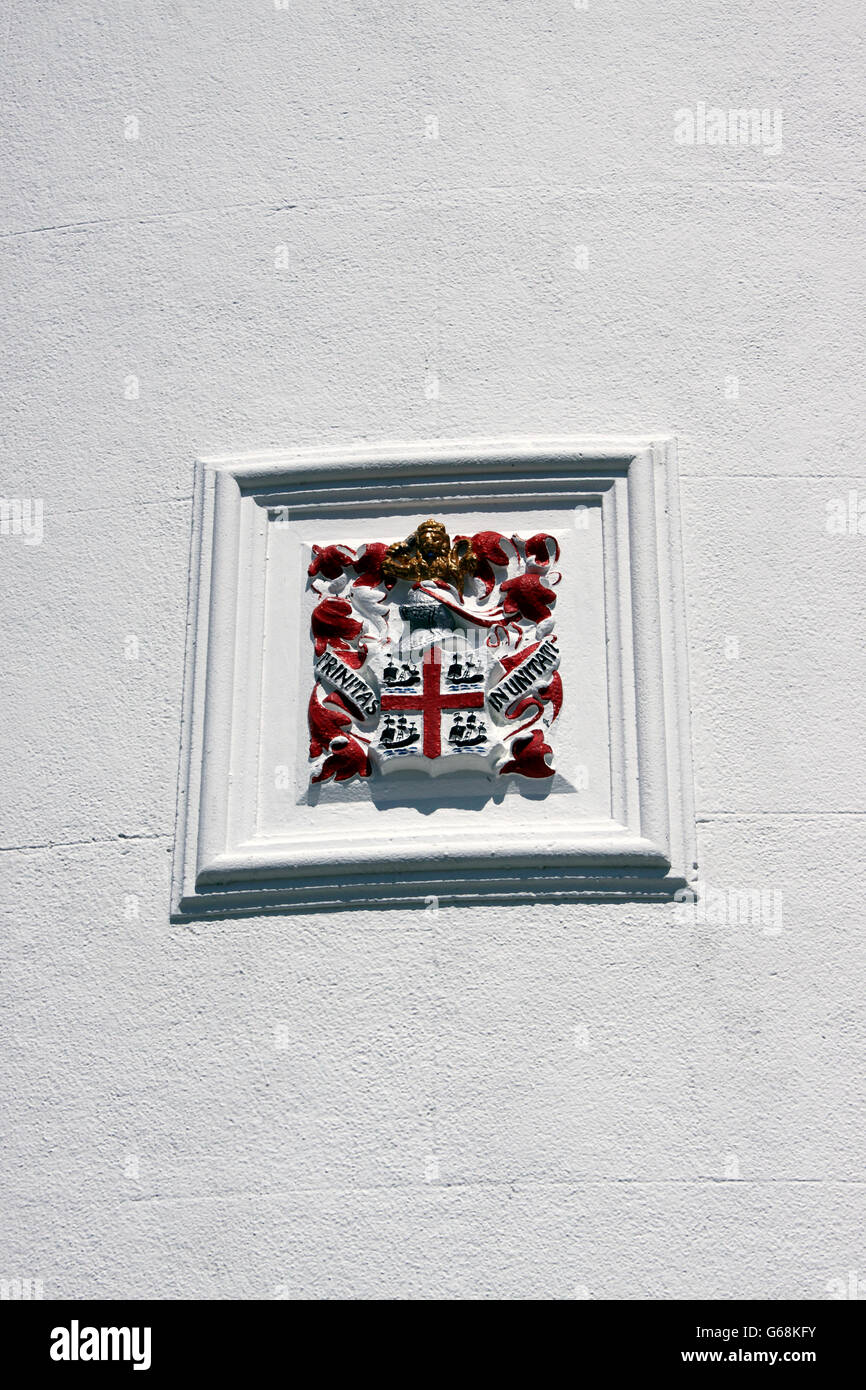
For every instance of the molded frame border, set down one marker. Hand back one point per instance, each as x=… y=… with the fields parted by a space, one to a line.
x=646 y=852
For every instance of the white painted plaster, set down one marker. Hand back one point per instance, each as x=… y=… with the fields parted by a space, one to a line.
x=512 y=1102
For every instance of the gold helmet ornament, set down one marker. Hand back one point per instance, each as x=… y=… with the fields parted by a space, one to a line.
x=429 y=554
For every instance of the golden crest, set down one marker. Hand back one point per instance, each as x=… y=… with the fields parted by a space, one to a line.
x=429 y=554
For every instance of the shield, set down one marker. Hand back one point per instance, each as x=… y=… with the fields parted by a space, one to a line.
x=433 y=703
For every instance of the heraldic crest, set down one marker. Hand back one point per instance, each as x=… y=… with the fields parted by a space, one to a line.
x=434 y=655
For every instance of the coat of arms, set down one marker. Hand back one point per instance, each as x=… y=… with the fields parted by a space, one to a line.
x=434 y=655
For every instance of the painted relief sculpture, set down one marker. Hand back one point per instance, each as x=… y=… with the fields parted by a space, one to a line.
x=434 y=655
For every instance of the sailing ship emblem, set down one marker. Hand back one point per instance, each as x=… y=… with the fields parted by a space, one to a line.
x=406 y=673
x=398 y=732
x=464 y=672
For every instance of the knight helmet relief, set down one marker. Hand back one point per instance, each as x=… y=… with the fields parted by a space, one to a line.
x=434 y=656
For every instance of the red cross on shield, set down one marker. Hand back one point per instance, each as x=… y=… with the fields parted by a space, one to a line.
x=431 y=700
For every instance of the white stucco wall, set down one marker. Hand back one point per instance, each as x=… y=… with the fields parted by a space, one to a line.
x=507 y=1103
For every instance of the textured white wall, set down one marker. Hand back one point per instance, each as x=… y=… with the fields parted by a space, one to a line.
x=233 y=1109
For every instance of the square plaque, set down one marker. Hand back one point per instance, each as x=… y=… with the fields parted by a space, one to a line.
x=452 y=670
